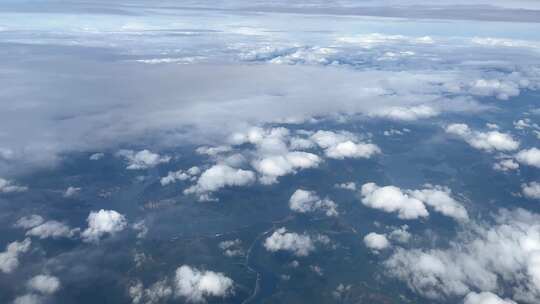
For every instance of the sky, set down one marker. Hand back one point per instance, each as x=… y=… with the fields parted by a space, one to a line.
x=207 y=101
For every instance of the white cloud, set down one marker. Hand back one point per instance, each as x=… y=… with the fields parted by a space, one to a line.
x=506 y=165
x=180 y=175
x=7 y=186
x=44 y=284
x=29 y=221
x=71 y=191
x=531 y=190
x=529 y=157
x=485 y=298
x=482 y=258
x=411 y=204
x=143 y=159
x=272 y=167
x=28 y=299
x=156 y=293
x=401 y=235
x=340 y=145
x=297 y=244
x=220 y=176
x=303 y=201
x=196 y=285
x=347 y=186
x=376 y=242
x=96 y=156
x=52 y=229
x=101 y=223
x=488 y=141
x=350 y=149
x=392 y=199
x=439 y=199
x=213 y=151
x=141 y=229
x=232 y=248
x=9 y=259
x=406 y=113
x=501 y=89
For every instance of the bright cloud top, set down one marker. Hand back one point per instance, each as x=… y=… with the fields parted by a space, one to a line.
x=103 y=222
x=195 y=285
x=281 y=240
x=303 y=201
x=143 y=159
x=9 y=259
x=488 y=141
x=411 y=204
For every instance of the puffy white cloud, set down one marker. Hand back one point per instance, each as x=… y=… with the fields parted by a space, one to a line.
x=531 y=190
x=7 y=186
x=29 y=221
x=156 y=293
x=482 y=258
x=297 y=244
x=506 y=165
x=196 y=285
x=28 y=299
x=488 y=141
x=96 y=156
x=392 y=199
x=347 y=186
x=9 y=259
x=103 y=222
x=485 y=298
x=376 y=241
x=303 y=201
x=180 y=175
x=401 y=235
x=52 y=229
x=71 y=191
x=406 y=113
x=220 y=176
x=44 y=284
x=232 y=248
x=143 y=159
x=342 y=145
x=272 y=167
x=529 y=157
x=141 y=229
x=350 y=149
x=439 y=199
x=501 y=89
x=410 y=204
x=213 y=151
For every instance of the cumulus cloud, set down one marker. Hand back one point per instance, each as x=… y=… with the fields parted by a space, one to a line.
x=482 y=258
x=272 y=167
x=44 y=284
x=9 y=259
x=501 y=89
x=376 y=241
x=401 y=234
x=96 y=156
x=406 y=113
x=485 y=298
x=297 y=244
x=529 y=157
x=488 y=141
x=143 y=159
x=220 y=176
x=29 y=221
x=392 y=199
x=196 y=285
x=7 y=186
x=28 y=299
x=347 y=186
x=180 y=175
x=71 y=191
x=231 y=248
x=411 y=204
x=531 y=190
x=303 y=201
x=52 y=229
x=101 y=223
x=506 y=165
x=342 y=145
